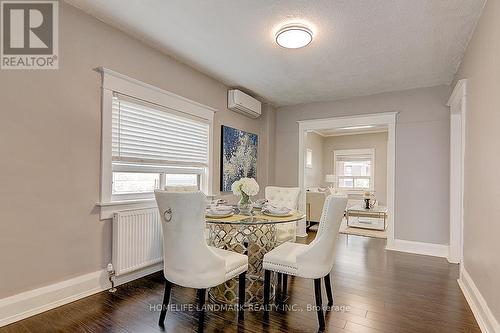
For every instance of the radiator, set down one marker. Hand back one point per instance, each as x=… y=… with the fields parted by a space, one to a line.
x=137 y=240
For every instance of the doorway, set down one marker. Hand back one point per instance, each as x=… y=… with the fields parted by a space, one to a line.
x=381 y=120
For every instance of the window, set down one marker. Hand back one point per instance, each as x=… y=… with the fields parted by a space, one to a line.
x=153 y=147
x=309 y=158
x=135 y=182
x=151 y=138
x=182 y=180
x=354 y=169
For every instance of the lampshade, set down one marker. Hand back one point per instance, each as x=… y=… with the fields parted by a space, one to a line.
x=330 y=178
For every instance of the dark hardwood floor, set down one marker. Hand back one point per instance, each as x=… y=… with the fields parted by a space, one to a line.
x=375 y=291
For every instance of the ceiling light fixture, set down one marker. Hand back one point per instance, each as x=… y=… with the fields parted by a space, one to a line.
x=356 y=127
x=294 y=36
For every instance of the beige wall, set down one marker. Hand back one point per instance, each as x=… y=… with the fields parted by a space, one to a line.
x=378 y=141
x=50 y=145
x=314 y=176
x=481 y=67
x=422 y=154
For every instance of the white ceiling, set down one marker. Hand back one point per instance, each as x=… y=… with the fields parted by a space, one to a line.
x=360 y=47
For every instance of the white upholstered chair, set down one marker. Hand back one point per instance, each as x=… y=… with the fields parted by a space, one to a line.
x=312 y=261
x=179 y=188
x=284 y=197
x=188 y=260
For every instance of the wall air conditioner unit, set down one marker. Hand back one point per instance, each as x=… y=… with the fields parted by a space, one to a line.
x=240 y=102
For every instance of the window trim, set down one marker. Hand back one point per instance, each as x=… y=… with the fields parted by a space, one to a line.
x=362 y=151
x=114 y=82
x=309 y=165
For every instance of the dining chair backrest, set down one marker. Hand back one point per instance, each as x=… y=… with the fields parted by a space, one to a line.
x=188 y=261
x=320 y=253
x=181 y=188
x=283 y=196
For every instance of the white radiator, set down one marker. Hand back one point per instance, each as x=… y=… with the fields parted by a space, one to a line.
x=137 y=240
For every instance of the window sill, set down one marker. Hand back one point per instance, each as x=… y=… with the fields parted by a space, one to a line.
x=107 y=209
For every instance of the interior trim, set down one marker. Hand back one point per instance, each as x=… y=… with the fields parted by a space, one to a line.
x=384 y=118
x=485 y=318
x=428 y=249
x=32 y=302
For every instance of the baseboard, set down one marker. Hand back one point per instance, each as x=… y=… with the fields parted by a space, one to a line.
x=32 y=302
x=429 y=249
x=35 y=301
x=477 y=303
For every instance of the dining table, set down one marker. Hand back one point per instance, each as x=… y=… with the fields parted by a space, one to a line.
x=253 y=235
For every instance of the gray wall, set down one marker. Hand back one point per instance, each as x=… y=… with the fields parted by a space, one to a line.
x=422 y=154
x=481 y=67
x=315 y=176
x=50 y=145
x=361 y=141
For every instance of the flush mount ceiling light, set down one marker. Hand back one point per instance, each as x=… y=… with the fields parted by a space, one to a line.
x=356 y=127
x=294 y=36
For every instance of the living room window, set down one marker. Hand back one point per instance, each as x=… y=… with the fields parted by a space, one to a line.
x=355 y=169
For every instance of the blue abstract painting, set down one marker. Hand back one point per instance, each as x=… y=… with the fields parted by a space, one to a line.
x=238 y=156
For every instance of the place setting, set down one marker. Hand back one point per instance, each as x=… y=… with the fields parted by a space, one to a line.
x=218 y=209
x=274 y=211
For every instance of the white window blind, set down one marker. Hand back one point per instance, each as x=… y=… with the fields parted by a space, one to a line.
x=354 y=169
x=147 y=133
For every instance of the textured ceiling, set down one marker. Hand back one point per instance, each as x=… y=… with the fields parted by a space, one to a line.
x=360 y=47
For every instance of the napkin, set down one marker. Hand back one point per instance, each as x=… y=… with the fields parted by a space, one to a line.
x=268 y=208
x=260 y=203
x=216 y=202
x=219 y=210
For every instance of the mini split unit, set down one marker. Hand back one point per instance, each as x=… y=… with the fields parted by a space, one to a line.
x=242 y=103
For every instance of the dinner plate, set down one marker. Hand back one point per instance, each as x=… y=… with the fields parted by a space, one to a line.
x=218 y=216
x=278 y=215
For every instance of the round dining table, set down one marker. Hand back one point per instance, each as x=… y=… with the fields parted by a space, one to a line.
x=253 y=236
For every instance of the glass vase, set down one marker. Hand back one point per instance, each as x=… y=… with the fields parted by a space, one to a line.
x=245 y=205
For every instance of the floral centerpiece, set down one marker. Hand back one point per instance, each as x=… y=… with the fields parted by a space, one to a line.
x=246 y=188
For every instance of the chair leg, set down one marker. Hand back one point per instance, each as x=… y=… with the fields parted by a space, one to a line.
x=164 y=306
x=201 y=314
x=328 y=287
x=281 y=297
x=267 y=288
x=241 y=294
x=285 y=285
x=277 y=294
x=319 y=304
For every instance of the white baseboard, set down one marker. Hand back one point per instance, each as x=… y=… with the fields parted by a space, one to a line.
x=32 y=302
x=429 y=249
x=477 y=303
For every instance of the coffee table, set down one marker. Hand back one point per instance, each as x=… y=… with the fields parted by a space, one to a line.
x=359 y=217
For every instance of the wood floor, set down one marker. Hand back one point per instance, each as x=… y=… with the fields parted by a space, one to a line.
x=380 y=291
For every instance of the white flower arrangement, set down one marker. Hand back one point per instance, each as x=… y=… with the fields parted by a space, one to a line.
x=245 y=187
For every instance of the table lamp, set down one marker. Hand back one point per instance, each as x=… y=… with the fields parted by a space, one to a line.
x=331 y=179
